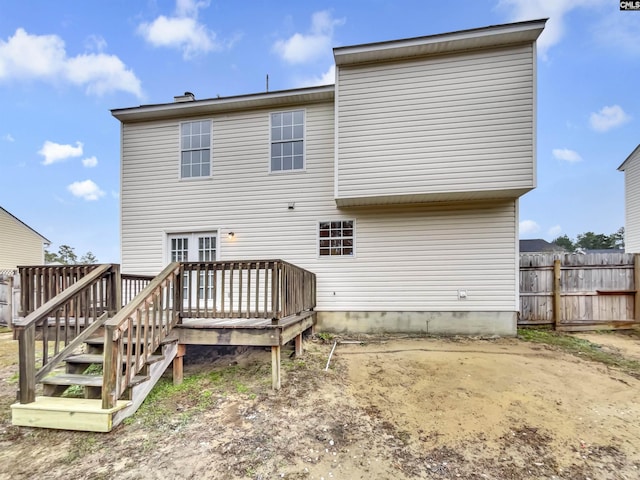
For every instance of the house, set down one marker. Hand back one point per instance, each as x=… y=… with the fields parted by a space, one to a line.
x=398 y=186
x=539 y=245
x=631 y=169
x=19 y=243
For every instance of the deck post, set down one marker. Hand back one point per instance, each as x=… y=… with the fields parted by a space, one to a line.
x=27 y=365
x=275 y=367
x=178 y=364
x=298 y=341
x=115 y=303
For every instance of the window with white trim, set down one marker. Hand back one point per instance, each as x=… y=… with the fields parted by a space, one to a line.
x=336 y=238
x=195 y=149
x=287 y=141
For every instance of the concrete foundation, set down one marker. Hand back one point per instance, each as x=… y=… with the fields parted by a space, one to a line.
x=425 y=323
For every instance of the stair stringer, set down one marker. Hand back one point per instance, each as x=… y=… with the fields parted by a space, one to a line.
x=139 y=392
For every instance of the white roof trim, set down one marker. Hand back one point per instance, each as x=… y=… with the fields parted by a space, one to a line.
x=632 y=154
x=224 y=104
x=486 y=37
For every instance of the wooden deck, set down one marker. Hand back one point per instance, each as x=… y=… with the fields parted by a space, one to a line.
x=265 y=303
x=257 y=332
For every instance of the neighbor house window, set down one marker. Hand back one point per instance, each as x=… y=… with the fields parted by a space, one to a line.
x=195 y=149
x=287 y=141
x=336 y=238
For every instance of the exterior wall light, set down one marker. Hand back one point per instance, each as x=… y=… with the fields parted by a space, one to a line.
x=231 y=234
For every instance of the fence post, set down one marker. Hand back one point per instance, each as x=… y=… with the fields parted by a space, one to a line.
x=636 y=287
x=557 y=299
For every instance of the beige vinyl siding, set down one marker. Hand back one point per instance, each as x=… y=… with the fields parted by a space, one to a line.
x=407 y=257
x=632 y=203
x=19 y=245
x=455 y=123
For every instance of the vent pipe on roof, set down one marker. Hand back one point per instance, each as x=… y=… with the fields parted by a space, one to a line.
x=187 y=97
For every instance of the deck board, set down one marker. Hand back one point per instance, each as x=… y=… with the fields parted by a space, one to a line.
x=243 y=331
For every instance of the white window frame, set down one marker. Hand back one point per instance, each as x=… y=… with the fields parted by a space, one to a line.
x=182 y=150
x=303 y=139
x=192 y=248
x=331 y=239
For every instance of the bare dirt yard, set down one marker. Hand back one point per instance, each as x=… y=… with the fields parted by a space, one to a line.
x=388 y=408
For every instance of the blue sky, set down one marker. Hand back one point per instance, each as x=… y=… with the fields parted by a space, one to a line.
x=63 y=69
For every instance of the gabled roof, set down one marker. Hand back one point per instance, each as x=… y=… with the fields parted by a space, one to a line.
x=636 y=152
x=539 y=245
x=44 y=239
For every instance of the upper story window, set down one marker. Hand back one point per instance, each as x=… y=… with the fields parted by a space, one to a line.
x=287 y=141
x=195 y=149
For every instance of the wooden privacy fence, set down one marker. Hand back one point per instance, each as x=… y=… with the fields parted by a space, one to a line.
x=574 y=292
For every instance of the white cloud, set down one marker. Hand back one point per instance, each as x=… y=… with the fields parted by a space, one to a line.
x=566 y=155
x=8 y=138
x=608 y=118
x=301 y=48
x=56 y=152
x=43 y=57
x=555 y=231
x=182 y=31
x=86 y=190
x=96 y=43
x=90 y=162
x=555 y=10
x=327 y=78
x=528 y=227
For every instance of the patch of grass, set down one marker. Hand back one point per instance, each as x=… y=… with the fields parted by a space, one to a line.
x=178 y=404
x=326 y=337
x=5 y=329
x=580 y=347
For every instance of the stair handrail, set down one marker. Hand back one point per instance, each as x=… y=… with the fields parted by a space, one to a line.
x=89 y=296
x=153 y=312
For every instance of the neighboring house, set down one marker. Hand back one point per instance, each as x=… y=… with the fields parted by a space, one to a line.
x=631 y=169
x=19 y=243
x=539 y=245
x=398 y=187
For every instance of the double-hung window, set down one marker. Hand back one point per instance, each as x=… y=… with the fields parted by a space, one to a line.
x=287 y=141
x=195 y=149
x=336 y=238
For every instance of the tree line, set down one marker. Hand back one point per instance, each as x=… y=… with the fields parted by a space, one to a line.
x=67 y=256
x=592 y=241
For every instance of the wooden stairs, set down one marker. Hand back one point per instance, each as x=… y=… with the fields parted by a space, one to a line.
x=72 y=395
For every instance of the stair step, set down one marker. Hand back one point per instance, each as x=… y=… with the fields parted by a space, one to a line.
x=99 y=359
x=66 y=413
x=69 y=379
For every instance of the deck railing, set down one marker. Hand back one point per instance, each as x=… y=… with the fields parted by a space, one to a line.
x=132 y=285
x=56 y=327
x=246 y=289
x=137 y=330
x=40 y=283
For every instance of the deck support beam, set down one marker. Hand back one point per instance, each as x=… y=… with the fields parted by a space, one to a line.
x=275 y=367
